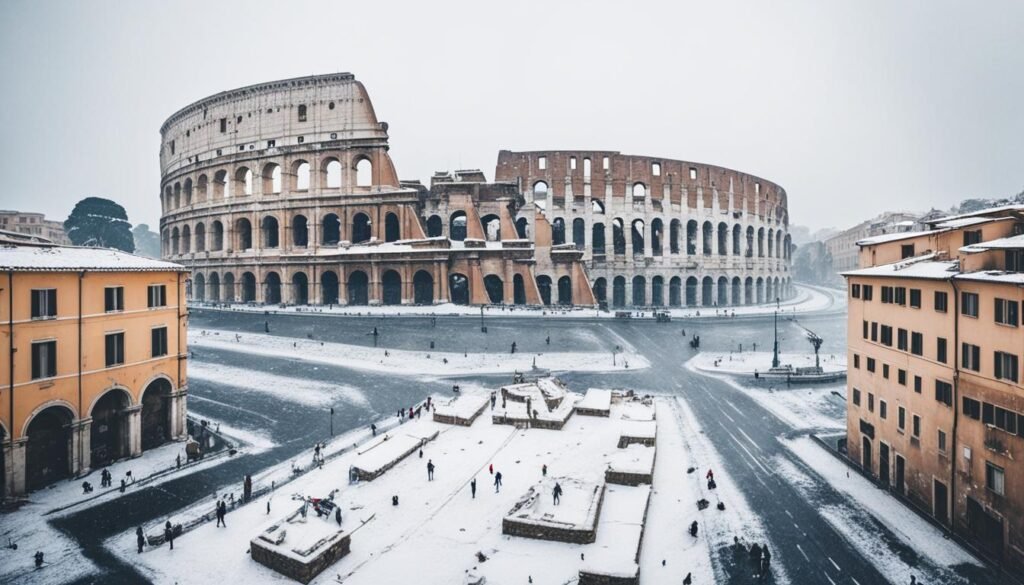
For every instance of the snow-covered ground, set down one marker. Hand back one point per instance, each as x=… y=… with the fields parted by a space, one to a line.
x=863 y=501
x=29 y=526
x=807 y=299
x=441 y=520
x=748 y=362
x=300 y=390
x=406 y=362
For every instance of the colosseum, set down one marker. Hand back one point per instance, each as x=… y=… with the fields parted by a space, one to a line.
x=284 y=193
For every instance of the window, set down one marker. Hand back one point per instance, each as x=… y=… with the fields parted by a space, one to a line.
x=115 y=349
x=693 y=173
x=916 y=343
x=915 y=298
x=223 y=125
x=302 y=112
x=972 y=237
x=901 y=339
x=572 y=163
x=856 y=397
x=868 y=292
x=900 y=295
x=855 y=291
x=871 y=402
x=944 y=392
x=883 y=409
x=887 y=295
x=988 y=413
x=901 y=418
x=917 y=384
x=656 y=169
x=1006 y=420
x=916 y=429
x=542 y=162
x=157 y=295
x=1015 y=260
x=901 y=377
x=941 y=302
x=865 y=328
x=885 y=371
x=874 y=331
x=1007 y=312
x=856 y=361
x=113 y=298
x=605 y=164
x=907 y=251
x=44 y=303
x=158 y=343
x=969 y=304
x=942 y=441
x=871 y=364
x=972 y=408
x=970 y=357
x=940 y=349
x=1007 y=366
x=44 y=359
x=887 y=335
x=995 y=478
x=271 y=143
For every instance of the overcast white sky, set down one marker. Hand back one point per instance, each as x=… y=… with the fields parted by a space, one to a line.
x=854 y=107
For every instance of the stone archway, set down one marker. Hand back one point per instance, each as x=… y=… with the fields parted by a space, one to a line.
x=48 y=451
x=156 y=413
x=108 y=434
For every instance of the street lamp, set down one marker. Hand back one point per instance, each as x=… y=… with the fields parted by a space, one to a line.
x=775 y=355
x=332 y=421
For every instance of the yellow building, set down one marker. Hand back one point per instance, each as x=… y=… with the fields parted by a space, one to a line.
x=95 y=365
x=935 y=399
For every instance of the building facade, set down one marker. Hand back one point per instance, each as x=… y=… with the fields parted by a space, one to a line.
x=33 y=224
x=96 y=360
x=935 y=399
x=284 y=192
x=843 y=246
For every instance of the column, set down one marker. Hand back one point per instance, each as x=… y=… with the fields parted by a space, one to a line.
x=443 y=295
x=179 y=430
x=81 y=446
x=134 y=417
x=374 y=292
x=14 y=466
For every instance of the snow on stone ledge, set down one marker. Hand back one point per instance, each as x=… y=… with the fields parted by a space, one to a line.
x=573 y=519
x=73 y=258
x=619 y=536
x=597 y=402
x=383 y=454
x=461 y=410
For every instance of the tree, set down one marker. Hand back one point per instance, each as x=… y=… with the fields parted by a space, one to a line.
x=99 y=222
x=147 y=242
x=812 y=263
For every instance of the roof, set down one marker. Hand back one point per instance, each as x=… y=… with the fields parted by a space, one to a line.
x=1009 y=243
x=891 y=237
x=75 y=258
x=980 y=212
x=962 y=222
x=924 y=266
x=939 y=226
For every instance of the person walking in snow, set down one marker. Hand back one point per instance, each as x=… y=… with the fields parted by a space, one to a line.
x=220 y=516
x=544 y=470
x=497 y=482
x=494 y=399
x=513 y=347
x=557 y=493
x=766 y=560
x=430 y=470
x=472 y=487
x=140 y=538
x=337 y=514
x=492 y=469
x=169 y=534
x=693 y=529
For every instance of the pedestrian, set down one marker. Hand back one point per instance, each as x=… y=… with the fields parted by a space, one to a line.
x=394 y=500
x=472 y=487
x=430 y=469
x=688 y=580
x=693 y=529
x=247 y=488
x=178 y=461
x=39 y=559
x=224 y=512
x=513 y=347
x=266 y=326
x=421 y=452
x=337 y=515
x=373 y=429
x=122 y=486
x=557 y=493
x=169 y=534
x=140 y=538
x=219 y=517
x=504 y=401
x=755 y=557
x=86 y=487
x=766 y=559
x=494 y=399
x=497 y=482
x=547 y=340
x=544 y=470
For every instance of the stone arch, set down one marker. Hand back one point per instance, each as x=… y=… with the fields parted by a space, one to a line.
x=243 y=234
x=221 y=185
x=248 y=287
x=457 y=226
x=330 y=229
x=779 y=251
x=658 y=291
x=639 y=190
x=618 y=236
x=723 y=239
x=108 y=433
x=156 y=413
x=330 y=173
x=558 y=232
x=270 y=230
x=228 y=284
x=657 y=231
x=216 y=235
x=329 y=287
x=708 y=235
x=565 y=291
x=619 y=291
x=300 y=289
x=272 y=289
x=518 y=289
x=48 y=456
x=675 y=291
x=639 y=291
x=175 y=239
x=177 y=195
x=300 y=176
x=491 y=225
x=243 y=182
x=707 y=295
x=271 y=179
x=300 y=231
x=579 y=233
x=213 y=287
x=435 y=226
x=423 y=287
x=364 y=172
x=495 y=289
x=358 y=288
x=186 y=239
x=723 y=291
x=748 y=291
x=760 y=243
x=544 y=286
x=391 y=288
x=691 y=291
x=691 y=237
x=637 y=234
x=601 y=290
x=458 y=288
x=675 y=227
x=202 y=191
x=200 y=236
x=361 y=231
x=760 y=290
x=187 y=191
x=750 y=241
x=522 y=228
x=737 y=238
x=597 y=239
x=199 y=287
x=540 y=190
x=737 y=291
x=596 y=206
x=771 y=242
x=392 y=231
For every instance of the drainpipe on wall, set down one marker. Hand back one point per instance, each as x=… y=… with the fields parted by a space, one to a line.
x=10 y=362
x=81 y=458
x=956 y=402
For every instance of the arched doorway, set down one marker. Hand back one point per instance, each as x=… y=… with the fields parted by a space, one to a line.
x=491 y=225
x=300 y=289
x=691 y=292
x=639 y=291
x=675 y=291
x=272 y=294
x=48 y=451
x=579 y=231
x=358 y=288
x=229 y=287
x=518 y=290
x=597 y=239
x=331 y=227
x=435 y=227
x=423 y=288
x=565 y=291
x=601 y=290
x=329 y=288
x=521 y=228
x=248 y=287
x=391 y=288
x=156 y=413
x=707 y=295
x=199 y=287
x=638 y=238
x=458 y=288
x=737 y=291
x=300 y=231
x=657 y=291
x=392 y=232
x=495 y=289
x=214 y=287
x=558 y=232
x=457 y=226
x=619 y=291
x=108 y=434
x=748 y=291
x=360 y=228
x=544 y=287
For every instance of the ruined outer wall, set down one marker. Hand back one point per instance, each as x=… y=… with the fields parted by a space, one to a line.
x=705 y=235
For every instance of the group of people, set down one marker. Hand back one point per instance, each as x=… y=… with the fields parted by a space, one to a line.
x=107 y=480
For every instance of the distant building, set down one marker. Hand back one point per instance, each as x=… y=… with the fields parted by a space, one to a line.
x=33 y=224
x=94 y=366
x=935 y=395
x=843 y=246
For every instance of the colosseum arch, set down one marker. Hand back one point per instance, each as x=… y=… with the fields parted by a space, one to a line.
x=674 y=230
x=518 y=289
x=522 y=228
x=748 y=291
x=221 y=186
x=243 y=234
x=271 y=179
x=723 y=239
x=391 y=288
x=707 y=294
x=737 y=237
x=579 y=233
x=358 y=288
x=495 y=289
x=544 y=287
x=639 y=190
x=750 y=242
x=639 y=291
x=457 y=226
x=637 y=234
x=737 y=291
x=364 y=172
x=300 y=288
x=361 y=228
x=657 y=231
x=199 y=287
x=269 y=232
x=272 y=288
x=228 y=285
x=200 y=235
x=213 y=287
x=771 y=242
x=675 y=291
x=243 y=183
x=691 y=291
x=723 y=291
x=600 y=289
x=565 y=291
x=187 y=191
x=619 y=291
x=491 y=225
x=540 y=190
x=168 y=198
x=435 y=226
x=177 y=195
x=248 y=287
x=330 y=229
x=759 y=287
x=423 y=288
x=760 y=243
x=202 y=189
x=299 y=176
x=618 y=237
x=779 y=251
x=330 y=173
x=217 y=236
x=597 y=239
x=788 y=246
x=658 y=291
x=458 y=288
x=691 y=237
x=596 y=206
x=329 y=288
x=300 y=231
x=558 y=232
x=708 y=237
x=186 y=239
x=175 y=237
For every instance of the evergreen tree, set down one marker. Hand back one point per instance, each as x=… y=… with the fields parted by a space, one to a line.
x=100 y=222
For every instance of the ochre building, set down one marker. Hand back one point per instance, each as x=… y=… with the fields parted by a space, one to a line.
x=935 y=399
x=284 y=192
x=95 y=365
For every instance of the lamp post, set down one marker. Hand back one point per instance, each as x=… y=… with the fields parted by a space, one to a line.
x=332 y=421
x=483 y=329
x=775 y=355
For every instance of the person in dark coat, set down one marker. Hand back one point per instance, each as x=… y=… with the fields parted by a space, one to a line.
x=557 y=493
x=169 y=534
x=337 y=515
x=430 y=470
x=472 y=487
x=766 y=559
x=140 y=538
x=693 y=529
x=220 y=516
x=497 y=482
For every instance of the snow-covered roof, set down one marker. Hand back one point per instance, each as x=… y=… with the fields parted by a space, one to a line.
x=997 y=276
x=1009 y=243
x=924 y=266
x=891 y=237
x=75 y=258
x=980 y=212
x=964 y=222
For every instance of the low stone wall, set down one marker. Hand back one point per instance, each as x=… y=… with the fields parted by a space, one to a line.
x=535 y=423
x=265 y=554
x=625 y=441
x=587 y=578
x=457 y=420
x=364 y=475
x=624 y=478
x=570 y=534
x=592 y=412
